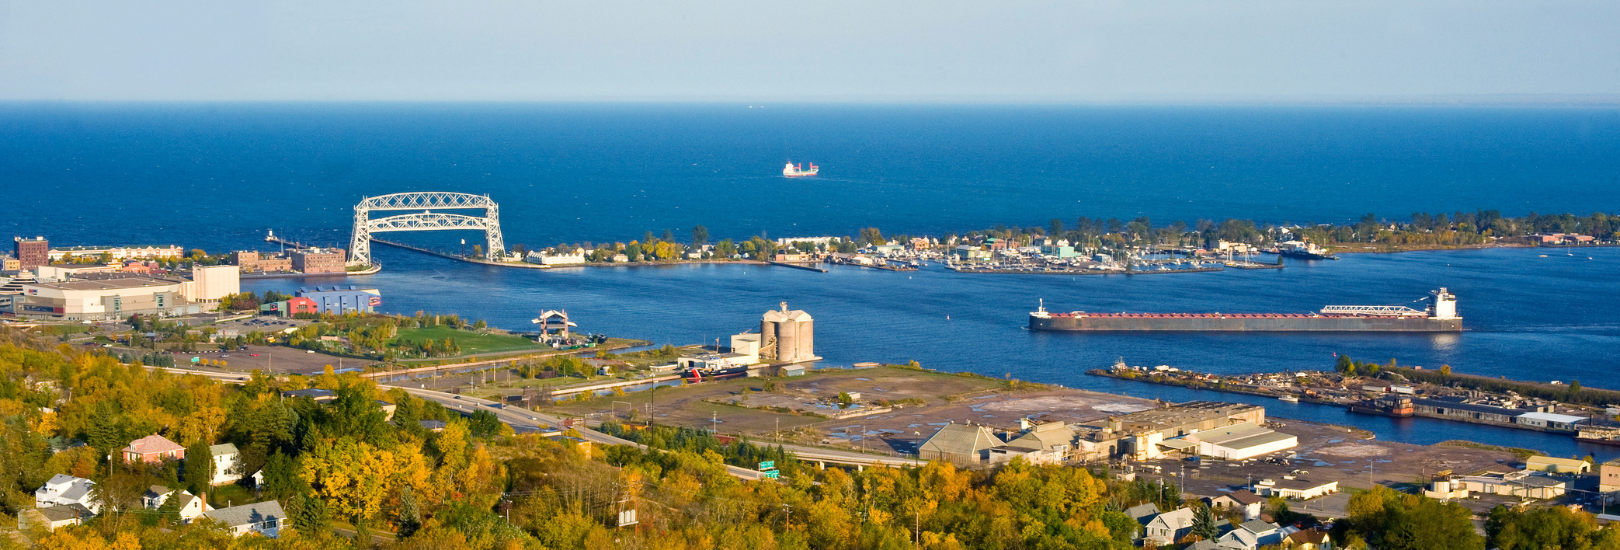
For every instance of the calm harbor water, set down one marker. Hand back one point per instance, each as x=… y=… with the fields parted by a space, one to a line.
x=1528 y=317
x=218 y=176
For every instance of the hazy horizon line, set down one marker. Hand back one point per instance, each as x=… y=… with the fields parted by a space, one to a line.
x=1434 y=100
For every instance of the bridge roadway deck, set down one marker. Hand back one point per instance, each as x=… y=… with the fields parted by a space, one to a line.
x=525 y=417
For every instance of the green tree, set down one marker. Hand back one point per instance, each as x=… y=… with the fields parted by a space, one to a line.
x=725 y=249
x=1203 y=521
x=410 y=513
x=700 y=235
x=199 y=467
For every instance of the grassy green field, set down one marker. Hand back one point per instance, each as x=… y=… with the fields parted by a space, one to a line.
x=472 y=343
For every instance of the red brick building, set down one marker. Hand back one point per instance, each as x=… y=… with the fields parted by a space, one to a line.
x=320 y=260
x=33 y=252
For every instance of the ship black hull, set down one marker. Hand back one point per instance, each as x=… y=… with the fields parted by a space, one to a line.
x=1244 y=324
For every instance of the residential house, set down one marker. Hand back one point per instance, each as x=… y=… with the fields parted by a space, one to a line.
x=153 y=448
x=1309 y=539
x=65 y=490
x=227 y=464
x=1142 y=513
x=51 y=517
x=263 y=518
x=1169 y=527
x=190 y=506
x=1244 y=500
x=1253 y=534
x=432 y=425
x=960 y=444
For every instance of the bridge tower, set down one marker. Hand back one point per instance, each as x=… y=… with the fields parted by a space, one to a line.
x=425 y=220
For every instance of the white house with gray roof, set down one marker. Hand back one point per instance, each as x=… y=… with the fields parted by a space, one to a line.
x=63 y=489
x=263 y=518
x=227 y=464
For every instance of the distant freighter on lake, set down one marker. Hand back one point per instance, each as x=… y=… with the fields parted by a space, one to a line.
x=798 y=171
x=1441 y=316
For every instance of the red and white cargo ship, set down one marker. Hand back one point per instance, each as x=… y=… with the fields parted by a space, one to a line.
x=798 y=171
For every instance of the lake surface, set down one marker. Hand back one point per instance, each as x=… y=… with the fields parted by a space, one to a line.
x=218 y=176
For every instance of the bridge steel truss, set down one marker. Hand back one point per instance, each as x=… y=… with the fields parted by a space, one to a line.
x=425 y=220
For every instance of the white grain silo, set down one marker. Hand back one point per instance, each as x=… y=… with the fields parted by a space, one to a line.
x=789 y=336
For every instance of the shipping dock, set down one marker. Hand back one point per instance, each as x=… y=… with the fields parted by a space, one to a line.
x=1441 y=316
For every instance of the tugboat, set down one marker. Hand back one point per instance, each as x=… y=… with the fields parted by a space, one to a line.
x=710 y=367
x=798 y=171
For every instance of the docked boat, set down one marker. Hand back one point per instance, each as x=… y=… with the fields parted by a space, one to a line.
x=1304 y=251
x=1440 y=316
x=798 y=171
x=696 y=375
x=1288 y=399
x=1604 y=436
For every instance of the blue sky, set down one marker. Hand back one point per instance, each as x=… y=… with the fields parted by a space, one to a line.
x=760 y=51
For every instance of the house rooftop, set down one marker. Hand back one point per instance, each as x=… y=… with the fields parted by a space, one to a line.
x=153 y=444
x=222 y=449
x=258 y=512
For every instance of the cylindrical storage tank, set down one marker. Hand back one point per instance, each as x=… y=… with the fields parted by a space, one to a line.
x=807 y=339
x=767 y=334
x=787 y=341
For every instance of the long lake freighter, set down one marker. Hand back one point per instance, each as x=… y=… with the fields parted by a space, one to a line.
x=1441 y=316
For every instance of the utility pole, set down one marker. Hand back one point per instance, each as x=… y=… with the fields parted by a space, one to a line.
x=787 y=515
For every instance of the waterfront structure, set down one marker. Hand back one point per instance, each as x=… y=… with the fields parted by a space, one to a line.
x=153 y=449
x=959 y=444
x=31 y=253
x=1139 y=435
x=1240 y=441
x=1523 y=484
x=253 y=261
x=290 y=307
x=1440 y=317
x=1555 y=465
x=1047 y=443
x=787 y=336
x=1298 y=489
x=263 y=518
x=553 y=321
x=102 y=299
x=313 y=261
x=747 y=346
x=565 y=257
x=343 y=300
x=422 y=218
x=211 y=283
x=116 y=253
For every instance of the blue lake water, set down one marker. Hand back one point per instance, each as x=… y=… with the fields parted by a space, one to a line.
x=217 y=176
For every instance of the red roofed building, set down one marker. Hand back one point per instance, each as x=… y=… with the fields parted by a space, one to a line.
x=153 y=448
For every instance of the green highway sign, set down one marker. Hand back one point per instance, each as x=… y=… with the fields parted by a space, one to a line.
x=766 y=465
